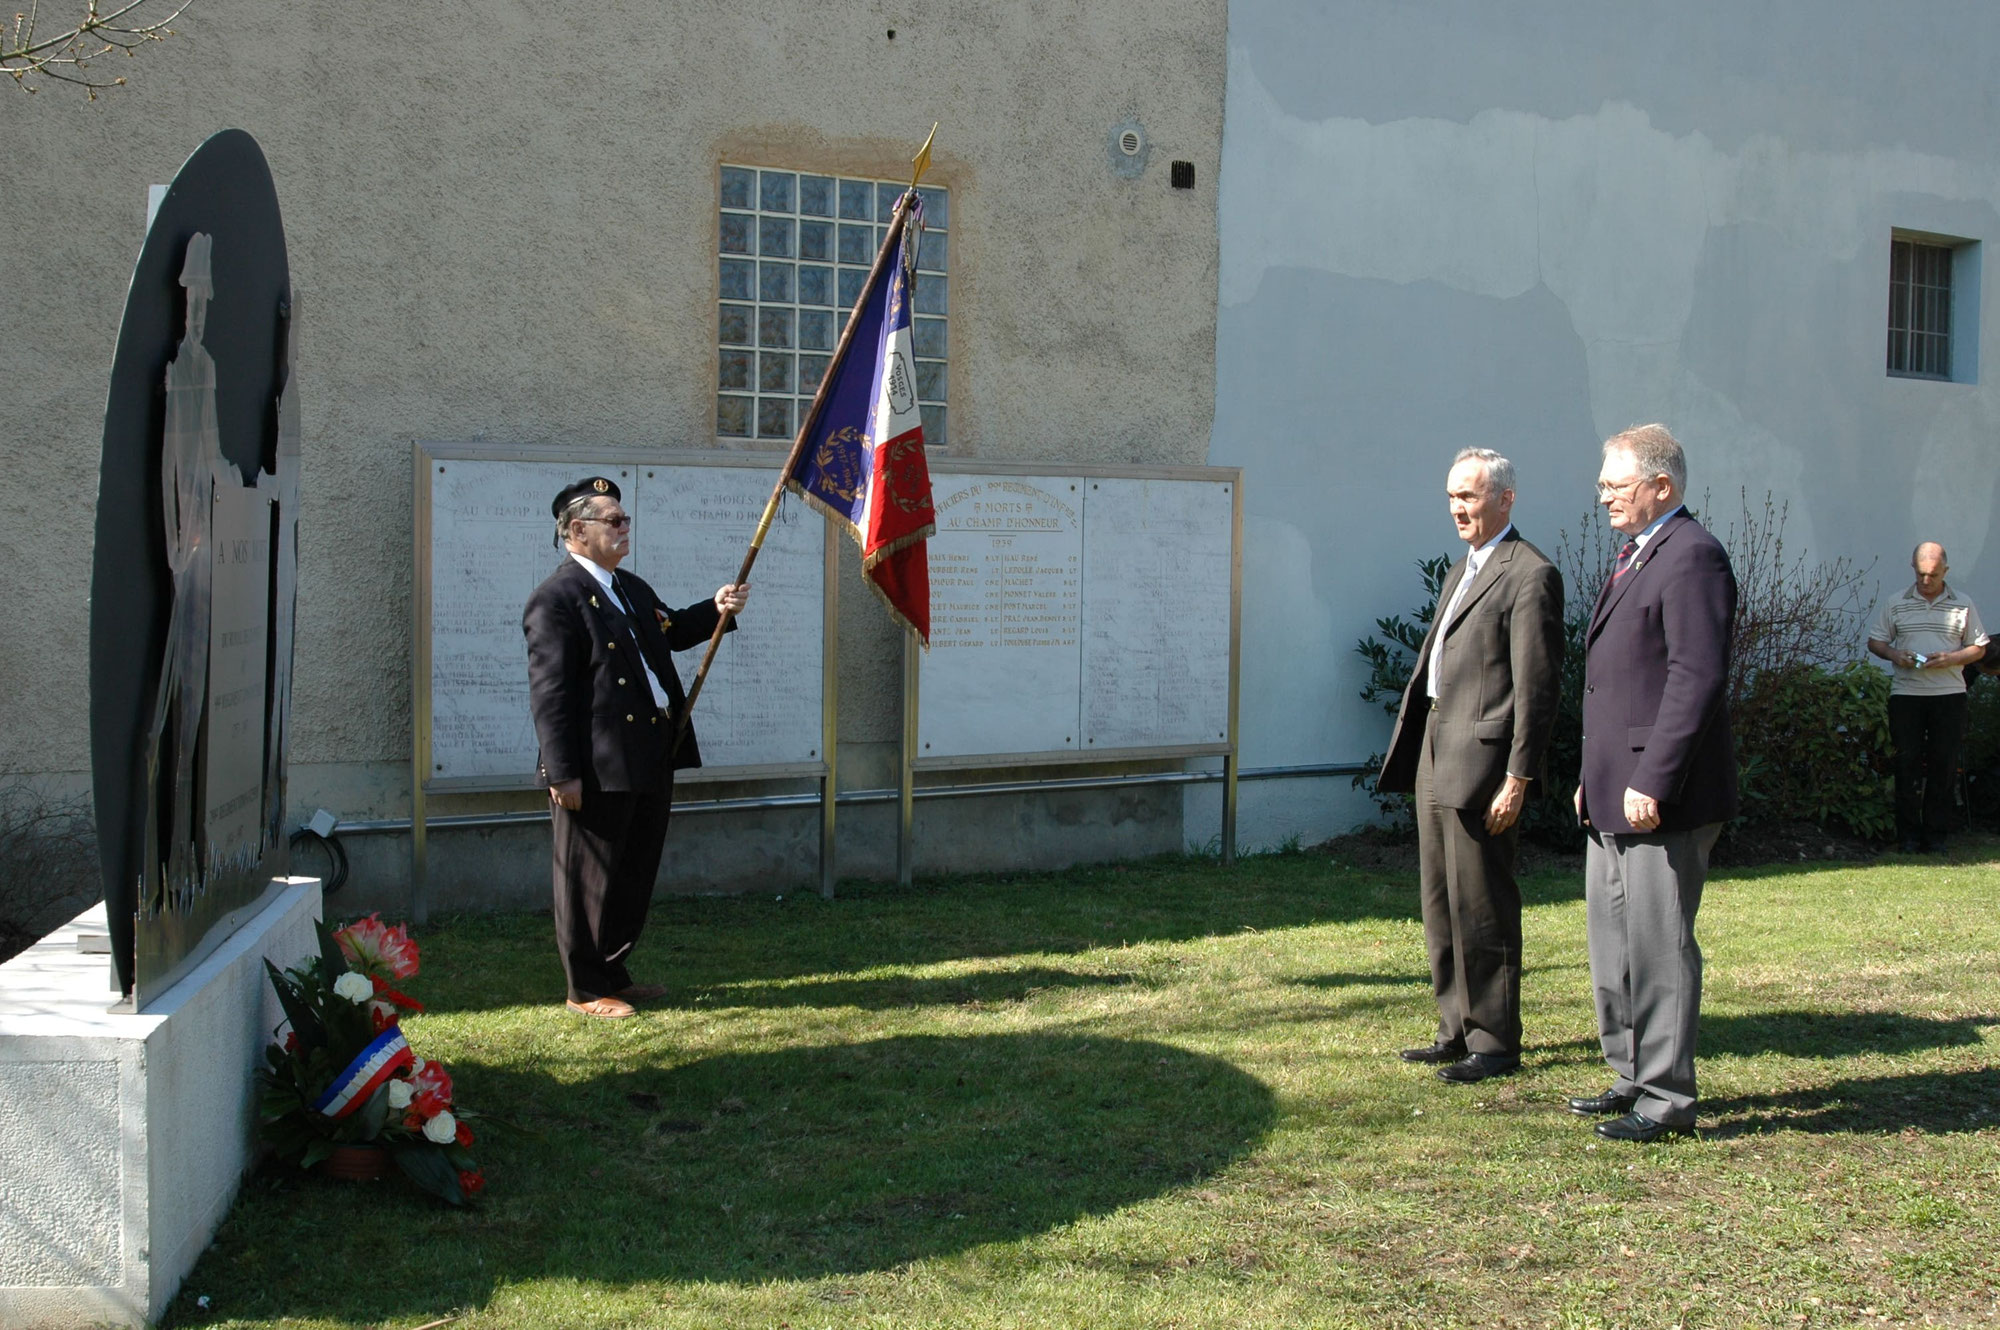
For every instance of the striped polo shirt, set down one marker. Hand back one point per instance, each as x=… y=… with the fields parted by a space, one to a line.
x=1930 y=628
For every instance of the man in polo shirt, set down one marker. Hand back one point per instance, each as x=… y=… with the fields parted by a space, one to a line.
x=1928 y=635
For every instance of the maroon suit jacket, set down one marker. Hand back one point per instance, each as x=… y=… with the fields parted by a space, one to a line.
x=1656 y=685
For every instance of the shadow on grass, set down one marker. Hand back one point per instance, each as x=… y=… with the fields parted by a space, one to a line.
x=1935 y=1102
x=1799 y=1034
x=701 y=945
x=1834 y=1034
x=1349 y=979
x=899 y=991
x=744 y=1168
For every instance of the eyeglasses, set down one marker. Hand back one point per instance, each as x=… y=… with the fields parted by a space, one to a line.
x=618 y=523
x=1605 y=489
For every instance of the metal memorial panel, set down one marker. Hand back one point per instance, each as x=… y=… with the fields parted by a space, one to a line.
x=1006 y=587
x=1157 y=561
x=1078 y=615
x=760 y=705
x=489 y=543
x=193 y=572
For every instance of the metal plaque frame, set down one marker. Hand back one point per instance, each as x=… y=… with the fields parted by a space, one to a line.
x=911 y=764
x=427 y=453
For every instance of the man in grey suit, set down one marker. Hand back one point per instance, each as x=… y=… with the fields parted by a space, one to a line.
x=1471 y=734
x=1658 y=781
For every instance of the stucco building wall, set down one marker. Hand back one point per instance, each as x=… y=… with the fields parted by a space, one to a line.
x=502 y=220
x=1528 y=226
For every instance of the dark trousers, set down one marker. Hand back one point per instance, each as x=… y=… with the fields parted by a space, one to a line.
x=1472 y=921
x=1926 y=733
x=607 y=856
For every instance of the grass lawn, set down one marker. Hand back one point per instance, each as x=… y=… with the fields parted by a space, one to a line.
x=1166 y=1095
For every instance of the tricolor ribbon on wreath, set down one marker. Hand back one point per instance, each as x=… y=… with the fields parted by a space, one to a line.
x=371 y=1067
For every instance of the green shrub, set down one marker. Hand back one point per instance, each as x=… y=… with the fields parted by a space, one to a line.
x=1812 y=745
x=1390 y=657
x=1981 y=756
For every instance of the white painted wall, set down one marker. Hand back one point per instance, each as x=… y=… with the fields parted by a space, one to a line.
x=1528 y=226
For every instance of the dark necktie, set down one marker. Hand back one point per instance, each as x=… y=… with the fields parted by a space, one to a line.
x=619 y=602
x=1624 y=565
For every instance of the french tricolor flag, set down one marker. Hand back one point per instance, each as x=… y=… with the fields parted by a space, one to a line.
x=860 y=458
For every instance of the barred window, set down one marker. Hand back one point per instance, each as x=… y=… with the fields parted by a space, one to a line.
x=794 y=251
x=1920 y=309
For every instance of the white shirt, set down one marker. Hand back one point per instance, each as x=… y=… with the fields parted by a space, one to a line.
x=610 y=585
x=1474 y=561
x=1653 y=530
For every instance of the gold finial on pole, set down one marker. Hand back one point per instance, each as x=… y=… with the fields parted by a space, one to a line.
x=922 y=161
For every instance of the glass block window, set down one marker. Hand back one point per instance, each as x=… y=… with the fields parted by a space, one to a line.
x=793 y=251
x=1920 y=309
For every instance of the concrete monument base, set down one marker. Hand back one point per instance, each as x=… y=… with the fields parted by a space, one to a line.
x=123 y=1138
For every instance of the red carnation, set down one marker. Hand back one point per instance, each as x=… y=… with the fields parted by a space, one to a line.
x=464 y=1133
x=471 y=1181
x=384 y=993
x=433 y=1086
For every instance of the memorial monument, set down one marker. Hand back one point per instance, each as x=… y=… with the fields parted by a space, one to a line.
x=124 y=1133
x=194 y=575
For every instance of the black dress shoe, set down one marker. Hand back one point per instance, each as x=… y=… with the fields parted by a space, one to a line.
x=1479 y=1066
x=1603 y=1105
x=1639 y=1128
x=1434 y=1053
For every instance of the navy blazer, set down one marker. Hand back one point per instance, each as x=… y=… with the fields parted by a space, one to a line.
x=1656 y=685
x=595 y=715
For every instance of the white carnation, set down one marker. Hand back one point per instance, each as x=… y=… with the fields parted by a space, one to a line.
x=354 y=987
x=442 y=1129
x=401 y=1092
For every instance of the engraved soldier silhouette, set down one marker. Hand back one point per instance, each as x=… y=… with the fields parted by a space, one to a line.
x=191 y=460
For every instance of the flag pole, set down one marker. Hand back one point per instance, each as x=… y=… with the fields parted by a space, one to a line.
x=922 y=163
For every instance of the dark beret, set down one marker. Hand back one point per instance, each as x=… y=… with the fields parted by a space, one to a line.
x=588 y=487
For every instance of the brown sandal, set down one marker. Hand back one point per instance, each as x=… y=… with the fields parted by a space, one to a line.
x=608 y=1008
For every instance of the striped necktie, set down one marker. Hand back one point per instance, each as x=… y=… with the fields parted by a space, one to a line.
x=1624 y=565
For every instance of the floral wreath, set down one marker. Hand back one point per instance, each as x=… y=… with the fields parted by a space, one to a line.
x=344 y=1075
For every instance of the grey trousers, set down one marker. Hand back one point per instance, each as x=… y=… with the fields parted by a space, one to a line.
x=1640 y=897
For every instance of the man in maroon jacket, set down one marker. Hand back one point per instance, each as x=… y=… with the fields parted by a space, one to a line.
x=1659 y=780
x=606 y=702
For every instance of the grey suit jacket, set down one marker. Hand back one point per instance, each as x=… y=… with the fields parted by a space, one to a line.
x=1499 y=674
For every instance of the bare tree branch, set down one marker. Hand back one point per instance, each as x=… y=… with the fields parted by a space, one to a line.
x=28 y=52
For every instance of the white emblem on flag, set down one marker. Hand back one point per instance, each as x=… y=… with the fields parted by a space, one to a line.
x=902 y=396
